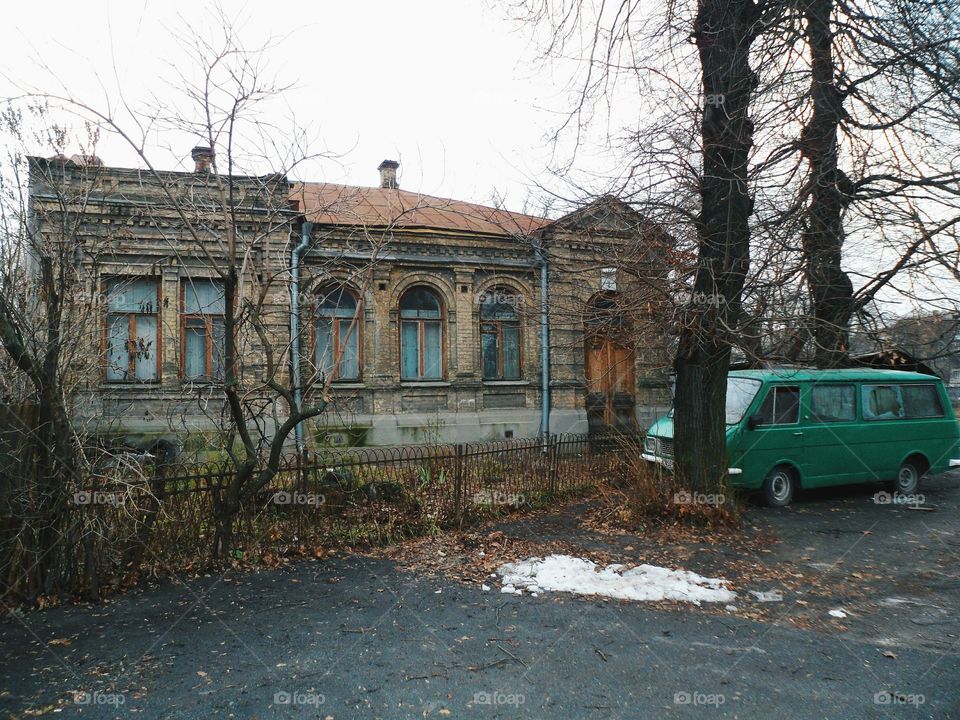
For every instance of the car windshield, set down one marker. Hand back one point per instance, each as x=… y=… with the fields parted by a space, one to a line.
x=740 y=393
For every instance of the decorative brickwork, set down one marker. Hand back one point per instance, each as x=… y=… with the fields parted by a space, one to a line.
x=465 y=254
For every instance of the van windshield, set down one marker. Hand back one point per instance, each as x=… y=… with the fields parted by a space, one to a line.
x=740 y=393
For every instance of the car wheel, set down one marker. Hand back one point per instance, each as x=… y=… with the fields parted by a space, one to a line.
x=908 y=478
x=778 y=487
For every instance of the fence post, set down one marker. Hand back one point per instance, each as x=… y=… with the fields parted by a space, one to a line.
x=458 y=482
x=302 y=461
x=554 y=441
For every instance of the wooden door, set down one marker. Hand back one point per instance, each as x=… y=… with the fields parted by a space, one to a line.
x=611 y=385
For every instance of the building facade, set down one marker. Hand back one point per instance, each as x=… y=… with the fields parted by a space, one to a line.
x=419 y=319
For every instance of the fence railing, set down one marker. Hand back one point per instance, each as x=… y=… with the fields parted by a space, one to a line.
x=453 y=473
x=337 y=496
x=456 y=479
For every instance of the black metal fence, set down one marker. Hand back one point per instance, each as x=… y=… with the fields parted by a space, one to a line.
x=454 y=482
x=351 y=496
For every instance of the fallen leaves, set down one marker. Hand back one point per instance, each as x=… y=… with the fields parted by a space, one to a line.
x=39 y=711
x=473 y=556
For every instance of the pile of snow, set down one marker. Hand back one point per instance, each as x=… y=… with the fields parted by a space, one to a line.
x=563 y=573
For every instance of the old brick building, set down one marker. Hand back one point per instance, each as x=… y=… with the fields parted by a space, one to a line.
x=422 y=318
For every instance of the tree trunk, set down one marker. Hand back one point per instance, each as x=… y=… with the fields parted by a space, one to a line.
x=133 y=555
x=224 y=514
x=56 y=472
x=831 y=291
x=724 y=31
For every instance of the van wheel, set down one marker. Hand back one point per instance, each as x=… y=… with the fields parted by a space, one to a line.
x=908 y=478
x=778 y=487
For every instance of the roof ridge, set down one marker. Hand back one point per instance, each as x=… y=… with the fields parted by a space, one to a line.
x=340 y=204
x=311 y=183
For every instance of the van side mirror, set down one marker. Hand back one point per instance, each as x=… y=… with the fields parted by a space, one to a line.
x=754 y=421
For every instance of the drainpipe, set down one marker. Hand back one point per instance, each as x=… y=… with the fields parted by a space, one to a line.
x=305 y=230
x=544 y=342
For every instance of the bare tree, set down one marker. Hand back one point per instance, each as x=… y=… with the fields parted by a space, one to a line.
x=724 y=34
x=227 y=223
x=44 y=308
x=686 y=163
x=845 y=192
x=877 y=140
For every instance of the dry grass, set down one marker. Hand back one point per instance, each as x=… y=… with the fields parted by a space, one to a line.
x=645 y=493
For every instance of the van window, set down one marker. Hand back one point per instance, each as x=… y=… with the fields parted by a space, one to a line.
x=833 y=403
x=921 y=401
x=740 y=393
x=882 y=402
x=781 y=406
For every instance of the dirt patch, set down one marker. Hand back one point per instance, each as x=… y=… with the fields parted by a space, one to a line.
x=833 y=550
x=785 y=589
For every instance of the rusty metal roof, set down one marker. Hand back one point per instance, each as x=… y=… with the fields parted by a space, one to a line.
x=330 y=204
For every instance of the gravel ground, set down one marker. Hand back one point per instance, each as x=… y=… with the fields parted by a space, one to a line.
x=376 y=637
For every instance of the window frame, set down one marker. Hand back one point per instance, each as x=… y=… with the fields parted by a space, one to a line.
x=356 y=322
x=498 y=325
x=421 y=322
x=604 y=319
x=608 y=279
x=773 y=389
x=864 y=402
x=856 y=402
x=208 y=319
x=105 y=282
x=936 y=394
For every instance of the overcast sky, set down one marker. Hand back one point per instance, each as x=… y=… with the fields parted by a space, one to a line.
x=450 y=88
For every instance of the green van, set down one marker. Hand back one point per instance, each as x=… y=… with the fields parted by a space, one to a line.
x=790 y=428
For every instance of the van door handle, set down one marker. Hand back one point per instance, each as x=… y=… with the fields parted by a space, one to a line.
x=797 y=434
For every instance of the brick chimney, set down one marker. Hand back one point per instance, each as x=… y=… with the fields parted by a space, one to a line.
x=388 y=174
x=203 y=157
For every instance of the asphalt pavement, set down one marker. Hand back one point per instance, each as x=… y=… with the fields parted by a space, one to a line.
x=361 y=637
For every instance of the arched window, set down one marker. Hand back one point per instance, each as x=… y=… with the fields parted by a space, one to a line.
x=500 y=334
x=605 y=317
x=421 y=335
x=338 y=334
